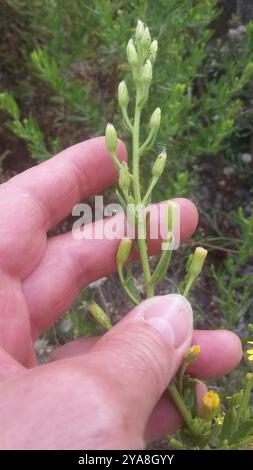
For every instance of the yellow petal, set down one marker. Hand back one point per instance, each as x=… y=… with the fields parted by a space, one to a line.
x=250 y=358
x=250 y=342
x=211 y=400
x=249 y=351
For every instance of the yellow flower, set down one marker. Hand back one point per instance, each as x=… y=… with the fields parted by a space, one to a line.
x=219 y=420
x=250 y=352
x=211 y=401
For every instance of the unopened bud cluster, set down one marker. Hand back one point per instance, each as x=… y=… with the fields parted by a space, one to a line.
x=141 y=54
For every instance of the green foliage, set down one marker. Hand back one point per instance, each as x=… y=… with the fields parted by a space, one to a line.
x=234 y=292
x=26 y=129
x=234 y=285
x=48 y=70
x=246 y=229
x=229 y=427
x=62 y=61
x=197 y=85
x=198 y=99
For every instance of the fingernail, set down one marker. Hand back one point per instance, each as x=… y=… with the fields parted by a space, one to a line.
x=171 y=315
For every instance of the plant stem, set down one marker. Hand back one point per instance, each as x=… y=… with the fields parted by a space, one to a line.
x=115 y=160
x=149 y=191
x=188 y=287
x=127 y=120
x=181 y=377
x=148 y=142
x=137 y=196
x=182 y=408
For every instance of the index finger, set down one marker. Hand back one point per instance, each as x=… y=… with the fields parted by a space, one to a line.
x=76 y=173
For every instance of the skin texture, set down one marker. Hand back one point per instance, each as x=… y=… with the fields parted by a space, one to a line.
x=90 y=395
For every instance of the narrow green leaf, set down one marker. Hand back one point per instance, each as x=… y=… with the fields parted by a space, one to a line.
x=131 y=284
x=245 y=430
x=162 y=267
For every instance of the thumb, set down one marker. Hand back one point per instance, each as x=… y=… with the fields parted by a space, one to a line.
x=142 y=353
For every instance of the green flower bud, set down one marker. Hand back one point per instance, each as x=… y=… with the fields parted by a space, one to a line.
x=249 y=377
x=155 y=119
x=132 y=53
x=123 y=251
x=100 y=316
x=191 y=354
x=124 y=178
x=147 y=74
x=159 y=165
x=197 y=262
x=153 y=51
x=123 y=95
x=146 y=39
x=111 y=138
x=139 y=30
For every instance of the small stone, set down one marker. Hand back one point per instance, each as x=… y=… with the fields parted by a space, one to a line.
x=242 y=29
x=42 y=346
x=98 y=283
x=66 y=325
x=228 y=171
x=246 y=158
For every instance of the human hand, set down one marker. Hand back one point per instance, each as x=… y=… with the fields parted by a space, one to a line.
x=97 y=393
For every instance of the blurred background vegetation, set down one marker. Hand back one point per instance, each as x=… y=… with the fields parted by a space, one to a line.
x=61 y=62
